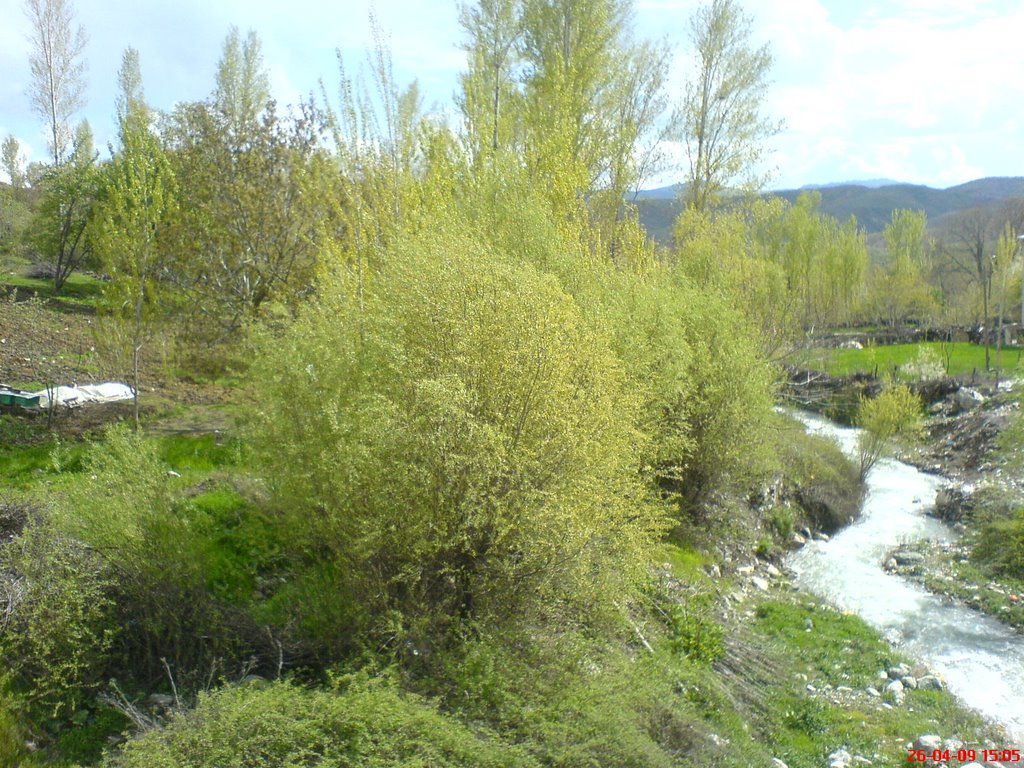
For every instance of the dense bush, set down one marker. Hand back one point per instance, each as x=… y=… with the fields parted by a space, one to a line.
x=361 y=724
x=164 y=559
x=56 y=625
x=895 y=412
x=827 y=484
x=1000 y=545
x=459 y=444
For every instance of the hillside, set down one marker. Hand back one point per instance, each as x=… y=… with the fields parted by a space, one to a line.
x=871 y=205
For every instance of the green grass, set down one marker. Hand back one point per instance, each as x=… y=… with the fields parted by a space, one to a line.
x=23 y=465
x=842 y=650
x=77 y=289
x=956 y=358
x=202 y=453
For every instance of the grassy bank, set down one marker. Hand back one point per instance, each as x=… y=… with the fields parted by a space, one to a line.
x=905 y=362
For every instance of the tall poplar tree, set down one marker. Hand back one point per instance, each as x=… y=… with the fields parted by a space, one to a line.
x=721 y=117
x=57 y=63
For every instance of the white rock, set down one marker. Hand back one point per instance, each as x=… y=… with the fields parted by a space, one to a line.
x=839 y=759
x=760 y=583
x=872 y=691
x=929 y=743
x=776 y=763
x=772 y=571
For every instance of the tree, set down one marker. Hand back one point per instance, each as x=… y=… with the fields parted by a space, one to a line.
x=131 y=98
x=247 y=230
x=489 y=91
x=12 y=162
x=966 y=243
x=720 y=118
x=243 y=88
x=138 y=197
x=901 y=290
x=57 y=86
x=60 y=231
x=895 y=412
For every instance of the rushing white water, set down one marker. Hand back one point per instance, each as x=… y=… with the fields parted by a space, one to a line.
x=981 y=660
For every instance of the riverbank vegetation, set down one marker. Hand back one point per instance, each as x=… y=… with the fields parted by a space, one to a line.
x=472 y=453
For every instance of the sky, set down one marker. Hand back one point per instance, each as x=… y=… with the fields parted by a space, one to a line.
x=920 y=91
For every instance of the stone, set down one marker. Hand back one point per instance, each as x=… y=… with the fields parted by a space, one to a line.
x=900 y=670
x=908 y=557
x=776 y=763
x=745 y=570
x=895 y=689
x=872 y=691
x=760 y=583
x=930 y=683
x=820 y=536
x=799 y=540
x=839 y=759
x=909 y=682
x=966 y=399
x=772 y=571
x=929 y=743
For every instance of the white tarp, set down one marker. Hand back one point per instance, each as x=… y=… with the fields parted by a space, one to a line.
x=88 y=393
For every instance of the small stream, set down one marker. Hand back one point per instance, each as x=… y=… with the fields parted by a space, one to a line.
x=981 y=660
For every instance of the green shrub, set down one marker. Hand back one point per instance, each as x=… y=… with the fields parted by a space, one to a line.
x=1000 y=545
x=362 y=724
x=60 y=626
x=457 y=443
x=165 y=556
x=895 y=412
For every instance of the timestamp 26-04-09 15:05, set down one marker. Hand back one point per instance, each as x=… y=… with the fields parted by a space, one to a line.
x=964 y=755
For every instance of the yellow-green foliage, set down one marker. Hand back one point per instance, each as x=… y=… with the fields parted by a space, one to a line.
x=128 y=510
x=361 y=724
x=895 y=412
x=58 y=632
x=453 y=440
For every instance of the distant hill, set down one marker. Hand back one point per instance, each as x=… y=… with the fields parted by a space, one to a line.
x=869 y=183
x=873 y=206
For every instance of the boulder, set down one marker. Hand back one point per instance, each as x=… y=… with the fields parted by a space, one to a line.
x=895 y=690
x=909 y=682
x=898 y=671
x=951 y=503
x=967 y=399
x=907 y=557
x=760 y=583
x=840 y=759
x=928 y=743
x=929 y=683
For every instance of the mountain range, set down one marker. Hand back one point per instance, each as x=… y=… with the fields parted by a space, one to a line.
x=872 y=202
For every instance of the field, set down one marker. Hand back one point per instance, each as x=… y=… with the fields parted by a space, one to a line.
x=907 y=362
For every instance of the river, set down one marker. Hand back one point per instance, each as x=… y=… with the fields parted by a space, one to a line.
x=981 y=660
